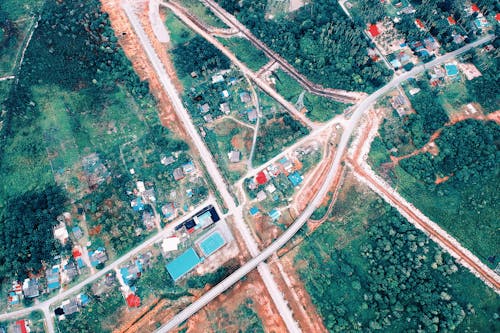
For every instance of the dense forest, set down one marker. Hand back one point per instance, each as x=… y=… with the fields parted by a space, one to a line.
x=26 y=231
x=208 y=57
x=318 y=39
x=391 y=278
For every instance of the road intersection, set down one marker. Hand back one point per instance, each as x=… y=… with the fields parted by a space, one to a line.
x=258 y=258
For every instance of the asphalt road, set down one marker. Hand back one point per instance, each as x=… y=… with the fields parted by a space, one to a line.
x=212 y=169
x=302 y=219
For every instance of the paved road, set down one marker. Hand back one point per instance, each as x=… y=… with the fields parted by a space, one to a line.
x=316 y=202
x=192 y=22
x=336 y=94
x=45 y=306
x=212 y=168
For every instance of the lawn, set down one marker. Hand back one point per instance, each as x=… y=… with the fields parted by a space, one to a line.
x=369 y=268
x=319 y=108
x=246 y=52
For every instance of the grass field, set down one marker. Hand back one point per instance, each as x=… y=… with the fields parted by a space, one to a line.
x=178 y=31
x=319 y=108
x=246 y=52
x=203 y=13
x=338 y=273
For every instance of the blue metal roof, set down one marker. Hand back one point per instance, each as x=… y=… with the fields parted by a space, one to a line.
x=183 y=264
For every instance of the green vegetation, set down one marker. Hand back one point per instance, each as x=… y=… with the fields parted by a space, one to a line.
x=375 y=271
x=319 y=108
x=246 y=52
x=318 y=39
x=23 y=231
x=249 y=321
x=203 y=13
x=276 y=132
x=179 y=33
x=100 y=315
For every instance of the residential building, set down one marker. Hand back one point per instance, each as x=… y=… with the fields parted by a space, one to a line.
x=70 y=306
x=205 y=108
x=252 y=115
x=167 y=160
x=261 y=195
x=148 y=220
x=98 y=256
x=224 y=107
x=52 y=276
x=188 y=167
x=245 y=97
x=31 y=288
x=178 y=174
x=234 y=156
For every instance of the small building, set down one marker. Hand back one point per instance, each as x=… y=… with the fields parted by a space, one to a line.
x=61 y=233
x=419 y=24
x=208 y=118
x=245 y=97
x=234 y=156
x=252 y=115
x=13 y=298
x=167 y=160
x=20 y=326
x=170 y=244
x=140 y=186
x=77 y=232
x=261 y=196
x=224 y=107
x=188 y=167
x=373 y=29
x=481 y=22
x=271 y=188
x=451 y=20
x=137 y=204
x=253 y=211
x=133 y=301
x=205 y=108
x=261 y=178
x=225 y=93
x=274 y=214
x=98 y=256
x=71 y=270
x=70 y=306
x=398 y=101
x=148 y=220
x=178 y=174
x=451 y=69
x=286 y=164
x=470 y=71
x=31 y=288
x=273 y=170
x=295 y=178
x=414 y=91
x=52 y=276
x=217 y=78
x=168 y=210
x=131 y=272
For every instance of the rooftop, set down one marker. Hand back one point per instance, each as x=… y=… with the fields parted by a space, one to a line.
x=183 y=264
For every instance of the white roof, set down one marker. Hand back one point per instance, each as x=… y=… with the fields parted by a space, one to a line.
x=170 y=244
x=140 y=186
x=61 y=233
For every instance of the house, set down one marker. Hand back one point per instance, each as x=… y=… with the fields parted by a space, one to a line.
x=205 y=108
x=131 y=272
x=61 y=233
x=373 y=29
x=470 y=70
x=133 y=301
x=234 y=156
x=224 y=107
x=71 y=270
x=474 y=8
x=208 y=118
x=70 y=306
x=31 y=288
x=398 y=101
x=20 y=326
x=451 y=20
x=396 y=63
x=188 y=167
x=253 y=211
x=252 y=115
x=178 y=174
x=286 y=164
x=414 y=91
x=295 y=178
x=140 y=186
x=137 y=204
x=261 y=196
x=217 y=78
x=451 y=69
x=431 y=44
x=148 y=220
x=170 y=244
x=168 y=210
x=194 y=75
x=271 y=188
x=225 y=93
x=77 y=232
x=167 y=160
x=13 y=298
x=98 y=256
x=273 y=170
x=149 y=195
x=261 y=178
x=245 y=97
x=52 y=276
x=274 y=214
x=419 y=24
x=84 y=299
x=481 y=22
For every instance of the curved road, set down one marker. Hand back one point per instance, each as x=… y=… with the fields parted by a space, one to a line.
x=302 y=219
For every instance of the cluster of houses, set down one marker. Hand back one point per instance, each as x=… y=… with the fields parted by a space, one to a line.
x=71 y=306
x=440 y=75
x=19 y=326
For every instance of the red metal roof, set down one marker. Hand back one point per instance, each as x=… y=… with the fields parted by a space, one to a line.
x=76 y=253
x=497 y=17
x=22 y=325
x=474 y=7
x=374 y=30
x=133 y=301
x=451 y=20
x=419 y=24
x=261 y=178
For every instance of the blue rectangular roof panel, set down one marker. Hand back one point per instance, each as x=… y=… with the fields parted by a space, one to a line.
x=183 y=264
x=212 y=243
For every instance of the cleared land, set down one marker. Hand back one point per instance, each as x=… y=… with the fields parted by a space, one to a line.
x=245 y=51
x=387 y=272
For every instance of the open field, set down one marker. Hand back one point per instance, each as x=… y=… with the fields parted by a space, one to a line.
x=246 y=52
x=379 y=284
x=318 y=108
x=203 y=13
